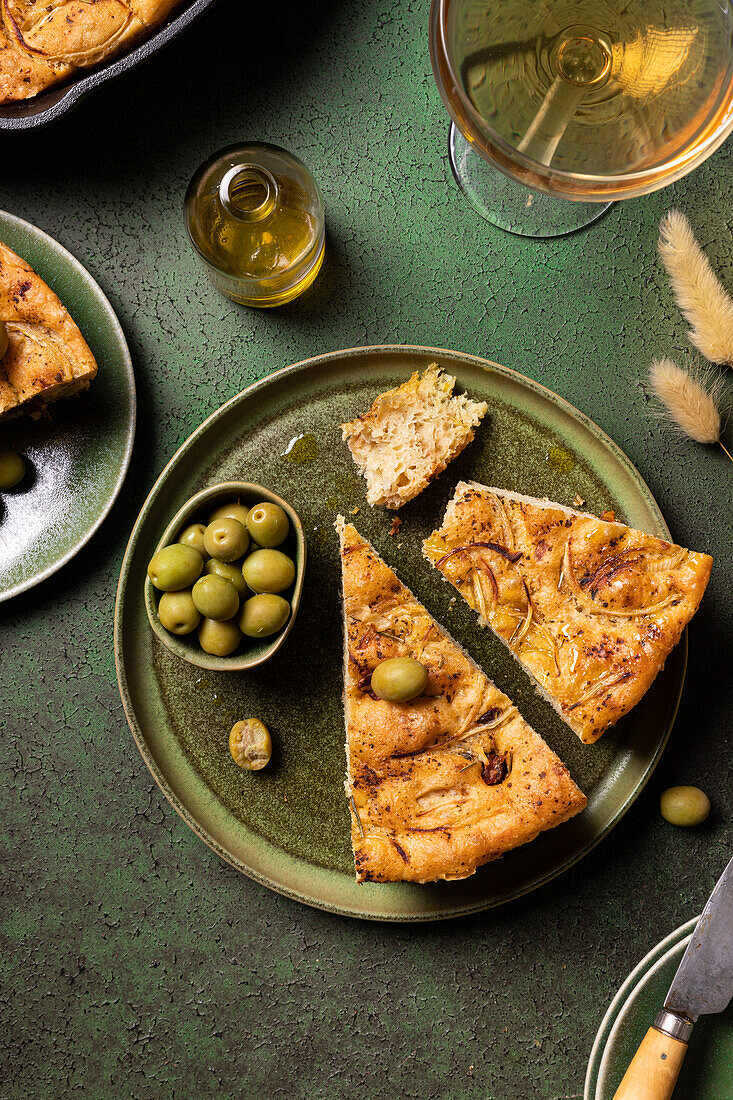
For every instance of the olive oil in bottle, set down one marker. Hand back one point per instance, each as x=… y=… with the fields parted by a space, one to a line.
x=254 y=215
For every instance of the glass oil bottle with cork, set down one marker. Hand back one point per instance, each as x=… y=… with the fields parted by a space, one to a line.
x=254 y=215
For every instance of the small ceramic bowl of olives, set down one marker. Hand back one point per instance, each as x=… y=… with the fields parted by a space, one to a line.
x=224 y=584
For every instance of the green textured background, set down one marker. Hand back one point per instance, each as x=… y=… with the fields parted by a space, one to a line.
x=134 y=963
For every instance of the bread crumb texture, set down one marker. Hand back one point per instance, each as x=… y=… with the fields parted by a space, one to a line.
x=410 y=434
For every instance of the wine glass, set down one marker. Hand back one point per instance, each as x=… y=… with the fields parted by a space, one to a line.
x=580 y=100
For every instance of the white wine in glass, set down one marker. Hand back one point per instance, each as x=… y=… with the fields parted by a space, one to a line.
x=584 y=100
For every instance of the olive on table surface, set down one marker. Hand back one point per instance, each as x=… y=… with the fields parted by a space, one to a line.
x=268 y=571
x=215 y=597
x=235 y=510
x=250 y=744
x=194 y=536
x=220 y=638
x=399 y=679
x=175 y=567
x=12 y=469
x=684 y=806
x=229 y=572
x=4 y=338
x=178 y=613
x=268 y=524
x=226 y=539
x=263 y=615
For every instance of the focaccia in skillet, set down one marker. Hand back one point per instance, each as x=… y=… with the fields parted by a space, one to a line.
x=47 y=357
x=591 y=608
x=451 y=780
x=43 y=43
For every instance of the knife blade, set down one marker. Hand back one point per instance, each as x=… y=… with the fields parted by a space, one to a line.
x=704 y=979
x=703 y=984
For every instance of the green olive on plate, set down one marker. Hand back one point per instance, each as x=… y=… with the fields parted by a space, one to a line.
x=399 y=679
x=219 y=638
x=234 y=510
x=230 y=572
x=250 y=744
x=684 y=806
x=175 y=567
x=12 y=468
x=226 y=539
x=215 y=597
x=4 y=339
x=268 y=571
x=263 y=615
x=178 y=613
x=268 y=524
x=194 y=536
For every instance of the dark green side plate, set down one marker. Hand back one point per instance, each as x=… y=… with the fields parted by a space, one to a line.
x=288 y=827
x=707 y=1072
x=78 y=457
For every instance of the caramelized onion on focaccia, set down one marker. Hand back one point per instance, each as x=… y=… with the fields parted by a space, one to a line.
x=590 y=607
x=451 y=780
x=41 y=44
x=47 y=357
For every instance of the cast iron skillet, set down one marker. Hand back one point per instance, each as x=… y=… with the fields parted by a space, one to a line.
x=49 y=105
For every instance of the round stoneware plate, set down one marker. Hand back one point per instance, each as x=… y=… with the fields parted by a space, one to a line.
x=707 y=1072
x=78 y=455
x=288 y=827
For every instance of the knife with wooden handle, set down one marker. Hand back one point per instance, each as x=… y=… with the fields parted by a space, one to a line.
x=703 y=984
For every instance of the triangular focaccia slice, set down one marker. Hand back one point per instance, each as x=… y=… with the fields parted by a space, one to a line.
x=451 y=780
x=590 y=607
x=47 y=357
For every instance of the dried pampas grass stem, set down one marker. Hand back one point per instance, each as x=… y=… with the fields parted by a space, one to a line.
x=690 y=400
x=697 y=290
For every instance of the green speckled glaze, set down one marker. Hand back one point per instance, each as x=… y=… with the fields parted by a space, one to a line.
x=707 y=1072
x=288 y=827
x=78 y=455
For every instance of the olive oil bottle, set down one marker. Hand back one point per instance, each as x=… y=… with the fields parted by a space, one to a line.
x=254 y=214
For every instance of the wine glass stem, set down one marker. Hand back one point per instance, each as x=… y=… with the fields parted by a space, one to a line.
x=546 y=129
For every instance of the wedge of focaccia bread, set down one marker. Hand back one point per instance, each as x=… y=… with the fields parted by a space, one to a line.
x=410 y=434
x=452 y=779
x=590 y=608
x=42 y=44
x=47 y=357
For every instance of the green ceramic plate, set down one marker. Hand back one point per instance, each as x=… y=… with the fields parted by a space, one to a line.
x=288 y=827
x=78 y=457
x=707 y=1072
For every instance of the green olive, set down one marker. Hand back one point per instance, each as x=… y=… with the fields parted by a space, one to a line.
x=219 y=638
x=178 y=613
x=263 y=615
x=12 y=469
x=215 y=597
x=194 y=536
x=268 y=524
x=4 y=339
x=268 y=571
x=250 y=744
x=684 y=806
x=399 y=679
x=226 y=539
x=235 y=510
x=175 y=567
x=229 y=572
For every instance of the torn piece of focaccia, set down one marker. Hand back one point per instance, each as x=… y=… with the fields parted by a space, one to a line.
x=410 y=434
x=591 y=608
x=47 y=357
x=451 y=780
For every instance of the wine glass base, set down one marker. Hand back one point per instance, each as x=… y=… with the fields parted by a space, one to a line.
x=508 y=204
